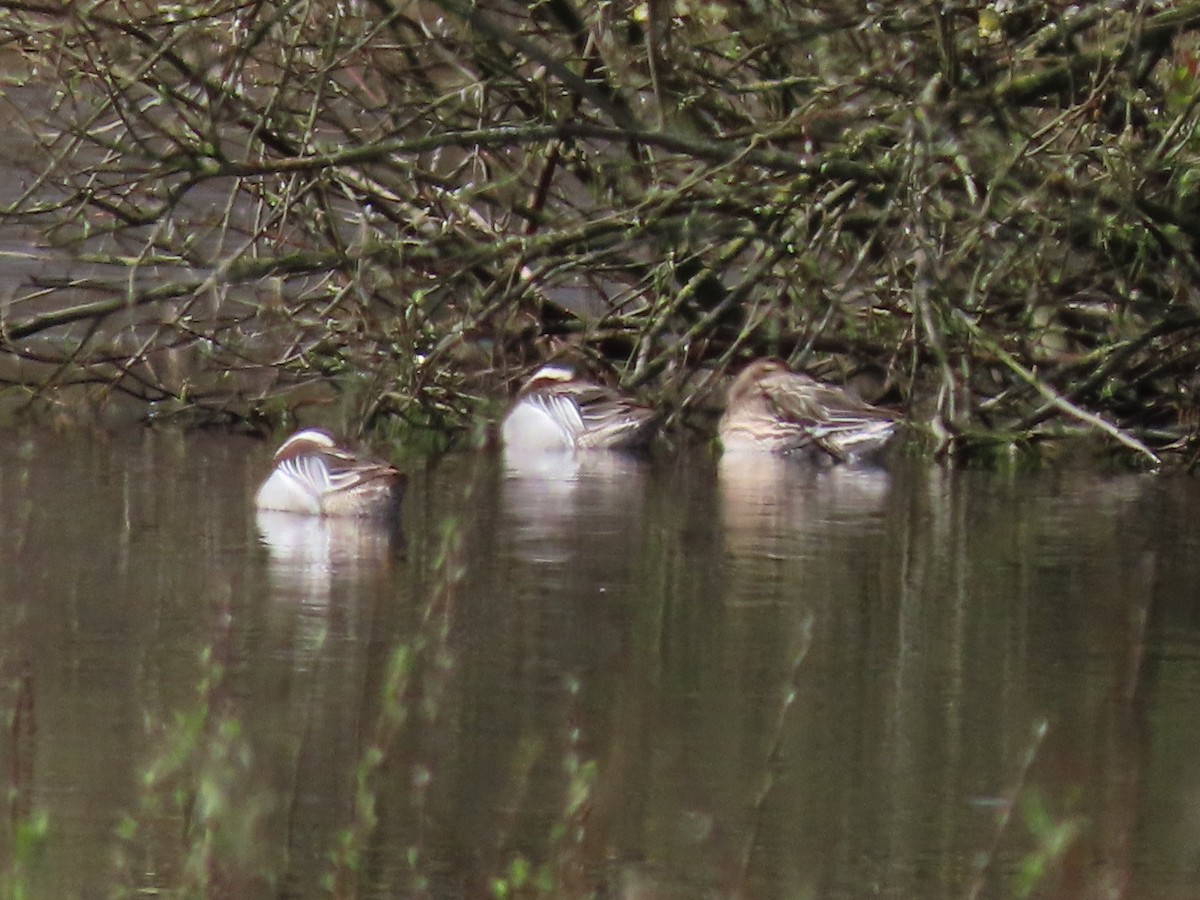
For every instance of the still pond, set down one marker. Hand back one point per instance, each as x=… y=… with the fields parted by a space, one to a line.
x=601 y=677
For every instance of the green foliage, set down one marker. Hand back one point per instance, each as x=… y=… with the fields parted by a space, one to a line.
x=203 y=777
x=1053 y=837
x=29 y=832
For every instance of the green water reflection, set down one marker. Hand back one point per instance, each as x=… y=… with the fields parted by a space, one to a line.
x=674 y=677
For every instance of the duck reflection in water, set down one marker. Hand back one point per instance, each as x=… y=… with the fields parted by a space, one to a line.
x=323 y=509
x=776 y=494
x=561 y=500
x=776 y=424
x=306 y=552
x=788 y=526
x=566 y=442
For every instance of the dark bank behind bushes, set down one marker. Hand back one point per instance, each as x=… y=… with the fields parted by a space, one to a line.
x=382 y=213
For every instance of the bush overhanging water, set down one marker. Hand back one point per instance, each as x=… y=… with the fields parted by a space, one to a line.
x=986 y=212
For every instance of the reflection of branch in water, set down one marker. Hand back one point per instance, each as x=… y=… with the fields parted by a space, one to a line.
x=414 y=681
x=1007 y=805
x=22 y=736
x=306 y=552
x=1139 y=623
x=775 y=752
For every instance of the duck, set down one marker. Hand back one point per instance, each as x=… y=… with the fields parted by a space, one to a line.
x=559 y=409
x=315 y=475
x=772 y=409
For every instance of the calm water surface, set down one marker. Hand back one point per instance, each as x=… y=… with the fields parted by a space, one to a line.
x=659 y=679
